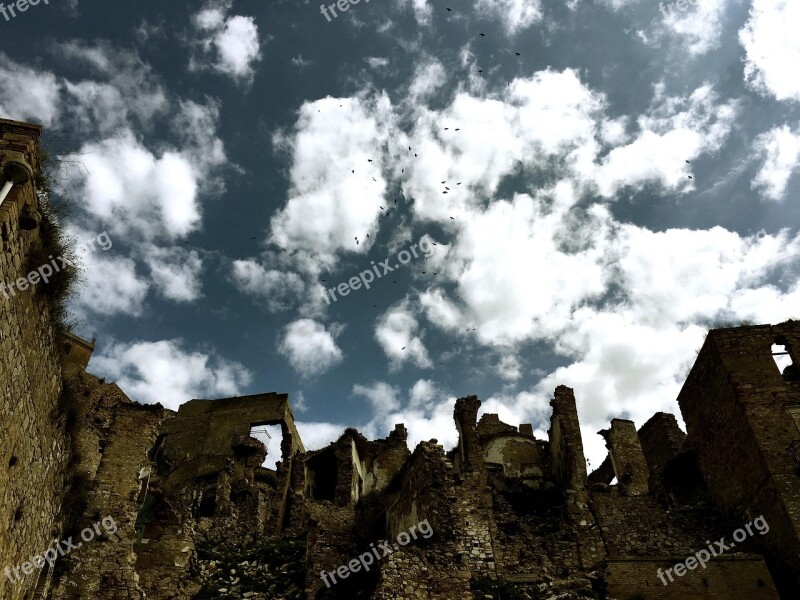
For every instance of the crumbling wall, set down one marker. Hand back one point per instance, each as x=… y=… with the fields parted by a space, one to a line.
x=33 y=443
x=735 y=404
x=106 y=566
x=627 y=458
x=441 y=566
x=661 y=441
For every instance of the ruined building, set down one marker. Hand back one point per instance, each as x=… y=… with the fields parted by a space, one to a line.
x=198 y=515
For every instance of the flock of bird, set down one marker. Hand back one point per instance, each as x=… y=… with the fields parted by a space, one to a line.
x=445 y=191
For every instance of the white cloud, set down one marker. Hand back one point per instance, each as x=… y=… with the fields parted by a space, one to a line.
x=676 y=130
x=124 y=90
x=381 y=396
x=377 y=62
x=175 y=272
x=396 y=332
x=428 y=77
x=279 y=290
x=700 y=25
x=318 y=435
x=229 y=44
x=165 y=372
x=779 y=150
x=109 y=285
x=126 y=185
x=309 y=347
x=772 y=46
x=515 y=15
x=28 y=94
x=509 y=368
x=328 y=204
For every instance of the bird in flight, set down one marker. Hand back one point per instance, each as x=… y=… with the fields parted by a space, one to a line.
x=480 y=70
x=452 y=218
x=483 y=35
x=446 y=128
x=459 y=183
x=367 y=236
x=517 y=53
x=381 y=207
x=403 y=348
x=395 y=201
x=690 y=177
x=369 y=160
x=373 y=179
x=445 y=181
x=688 y=163
x=457 y=129
x=354 y=171
x=447 y=188
x=323 y=280
x=444 y=192
x=449 y=10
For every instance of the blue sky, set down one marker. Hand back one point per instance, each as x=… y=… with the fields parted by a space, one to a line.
x=617 y=177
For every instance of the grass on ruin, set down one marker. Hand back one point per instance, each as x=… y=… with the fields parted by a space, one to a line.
x=54 y=243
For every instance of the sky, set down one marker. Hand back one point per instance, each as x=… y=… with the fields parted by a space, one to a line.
x=537 y=193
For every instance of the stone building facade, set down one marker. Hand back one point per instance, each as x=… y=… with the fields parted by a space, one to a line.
x=197 y=513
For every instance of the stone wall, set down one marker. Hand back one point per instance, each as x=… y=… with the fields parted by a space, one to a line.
x=735 y=403
x=33 y=445
x=726 y=578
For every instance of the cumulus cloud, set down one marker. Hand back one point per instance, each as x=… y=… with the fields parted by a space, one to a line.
x=772 y=48
x=675 y=130
x=279 y=290
x=28 y=94
x=779 y=150
x=228 y=43
x=168 y=373
x=175 y=272
x=309 y=347
x=396 y=332
x=331 y=179
x=135 y=190
x=123 y=91
x=381 y=396
x=700 y=25
x=108 y=285
x=515 y=15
